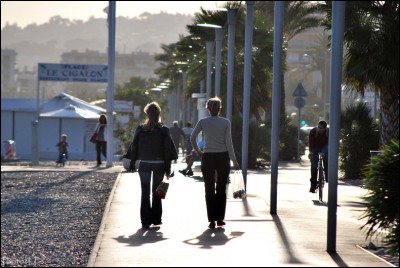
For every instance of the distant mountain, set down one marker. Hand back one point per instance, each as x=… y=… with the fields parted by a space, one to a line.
x=46 y=42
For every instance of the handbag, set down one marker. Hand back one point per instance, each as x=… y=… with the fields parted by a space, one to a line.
x=162 y=189
x=93 y=139
x=236 y=188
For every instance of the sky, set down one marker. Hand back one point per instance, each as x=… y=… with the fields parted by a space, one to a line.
x=24 y=13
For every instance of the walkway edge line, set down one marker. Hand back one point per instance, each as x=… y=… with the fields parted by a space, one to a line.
x=376 y=256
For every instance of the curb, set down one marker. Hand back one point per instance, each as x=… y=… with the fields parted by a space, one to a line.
x=97 y=243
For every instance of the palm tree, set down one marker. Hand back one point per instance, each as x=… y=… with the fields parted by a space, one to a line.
x=298 y=16
x=372 y=56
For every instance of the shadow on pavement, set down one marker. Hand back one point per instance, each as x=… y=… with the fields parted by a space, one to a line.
x=212 y=237
x=291 y=258
x=142 y=236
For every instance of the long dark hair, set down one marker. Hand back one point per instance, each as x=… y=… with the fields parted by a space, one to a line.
x=103 y=116
x=152 y=111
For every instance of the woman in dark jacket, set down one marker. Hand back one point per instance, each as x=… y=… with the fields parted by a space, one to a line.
x=151 y=145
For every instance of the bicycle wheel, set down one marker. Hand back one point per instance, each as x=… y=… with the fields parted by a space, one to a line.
x=320 y=183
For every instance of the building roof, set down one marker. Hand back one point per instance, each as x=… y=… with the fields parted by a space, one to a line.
x=71 y=112
x=64 y=100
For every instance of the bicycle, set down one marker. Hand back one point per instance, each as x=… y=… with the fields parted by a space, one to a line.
x=321 y=176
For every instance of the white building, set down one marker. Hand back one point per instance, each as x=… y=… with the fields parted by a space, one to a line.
x=63 y=114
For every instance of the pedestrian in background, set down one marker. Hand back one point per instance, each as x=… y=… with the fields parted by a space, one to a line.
x=101 y=141
x=188 y=130
x=194 y=156
x=177 y=133
x=62 y=150
x=151 y=145
x=215 y=159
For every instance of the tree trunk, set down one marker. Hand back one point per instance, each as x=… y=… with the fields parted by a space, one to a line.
x=389 y=116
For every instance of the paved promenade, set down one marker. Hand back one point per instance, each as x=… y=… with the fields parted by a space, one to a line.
x=295 y=236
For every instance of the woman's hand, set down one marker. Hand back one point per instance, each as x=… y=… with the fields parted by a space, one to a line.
x=236 y=165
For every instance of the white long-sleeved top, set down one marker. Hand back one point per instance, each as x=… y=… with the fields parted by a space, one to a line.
x=217 y=135
x=97 y=128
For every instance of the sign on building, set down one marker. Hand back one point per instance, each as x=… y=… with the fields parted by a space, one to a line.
x=73 y=72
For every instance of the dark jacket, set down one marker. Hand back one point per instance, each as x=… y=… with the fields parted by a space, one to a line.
x=317 y=140
x=176 y=133
x=152 y=145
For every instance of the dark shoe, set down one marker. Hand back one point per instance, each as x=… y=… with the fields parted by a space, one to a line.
x=172 y=174
x=157 y=223
x=189 y=173
x=312 y=190
x=145 y=226
x=211 y=225
x=183 y=171
x=98 y=165
x=220 y=223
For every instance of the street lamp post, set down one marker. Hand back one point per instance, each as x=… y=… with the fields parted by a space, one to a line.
x=184 y=89
x=231 y=60
x=247 y=85
x=219 y=32
x=210 y=46
x=110 y=88
x=325 y=90
x=299 y=102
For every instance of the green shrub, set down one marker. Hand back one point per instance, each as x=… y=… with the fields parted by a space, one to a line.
x=288 y=141
x=381 y=178
x=259 y=146
x=359 y=134
x=259 y=143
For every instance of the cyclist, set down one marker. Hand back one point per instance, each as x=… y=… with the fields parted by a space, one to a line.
x=318 y=143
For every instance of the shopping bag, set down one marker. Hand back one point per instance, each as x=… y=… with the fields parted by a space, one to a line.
x=162 y=189
x=235 y=188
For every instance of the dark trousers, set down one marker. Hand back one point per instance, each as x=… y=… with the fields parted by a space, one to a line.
x=150 y=212
x=188 y=146
x=101 y=147
x=314 y=163
x=211 y=164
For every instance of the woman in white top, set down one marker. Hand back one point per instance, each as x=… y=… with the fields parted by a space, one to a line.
x=215 y=159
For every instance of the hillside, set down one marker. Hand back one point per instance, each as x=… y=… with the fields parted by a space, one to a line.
x=46 y=42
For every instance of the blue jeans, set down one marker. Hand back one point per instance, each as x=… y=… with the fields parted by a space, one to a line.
x=150 y=212
x=314 y=163
x=101 y=148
